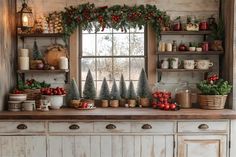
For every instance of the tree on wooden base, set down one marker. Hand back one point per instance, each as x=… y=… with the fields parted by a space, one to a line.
x=123 y=91
x=114 y=95
x=131 y=95
x=104 y=93
x=89 y=91
x=143 y=90
x=74 y=94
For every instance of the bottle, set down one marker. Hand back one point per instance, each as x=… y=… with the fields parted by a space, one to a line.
x=174 y=46
x=183 y=95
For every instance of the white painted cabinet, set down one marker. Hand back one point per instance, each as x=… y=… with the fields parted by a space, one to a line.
x=202 y=146
x=23 y=146
x=111 y=146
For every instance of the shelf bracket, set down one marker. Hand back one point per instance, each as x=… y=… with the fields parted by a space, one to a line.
x=159 y=76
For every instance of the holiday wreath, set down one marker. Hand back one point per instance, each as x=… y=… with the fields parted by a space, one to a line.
x=87 y=16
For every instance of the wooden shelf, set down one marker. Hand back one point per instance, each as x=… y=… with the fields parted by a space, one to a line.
x=185 y=32
x=183 y=70
x=41 y=71
x=31 y=35
x=191 y=53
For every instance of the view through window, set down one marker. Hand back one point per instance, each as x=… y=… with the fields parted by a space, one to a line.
x=111 y=53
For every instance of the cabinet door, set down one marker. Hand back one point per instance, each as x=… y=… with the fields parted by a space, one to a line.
x=111 y=146
x=202 y=146
x=22 y=146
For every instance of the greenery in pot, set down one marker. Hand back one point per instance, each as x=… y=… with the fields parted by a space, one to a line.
x=214 y=86
x=114 y=95
x=89 y=87
x=104 y=93
x=218 y=31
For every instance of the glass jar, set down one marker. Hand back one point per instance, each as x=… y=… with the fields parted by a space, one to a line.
x=183 y=95
x=177 y=24
x=174 y=46
x=203 y=25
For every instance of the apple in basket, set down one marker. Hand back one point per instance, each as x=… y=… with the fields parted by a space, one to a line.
x=54 y=95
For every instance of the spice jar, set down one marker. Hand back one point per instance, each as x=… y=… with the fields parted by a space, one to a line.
x=183 y=95
x=205 y=46
x=203 y=25
x=63 y=63
x=174 y=46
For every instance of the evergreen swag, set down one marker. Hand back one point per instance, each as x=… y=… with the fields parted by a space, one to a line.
x=89 y=88
x=104 y=91
x=87 y=16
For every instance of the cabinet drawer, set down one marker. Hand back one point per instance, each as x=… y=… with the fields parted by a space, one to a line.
x=16 y=127
x=71 y=127
x=153 y=127
x=112 y=127
x=203 y=126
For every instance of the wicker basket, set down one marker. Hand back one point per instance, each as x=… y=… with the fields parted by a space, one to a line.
x=33 y=94
x=75 y=103
x=212 y=102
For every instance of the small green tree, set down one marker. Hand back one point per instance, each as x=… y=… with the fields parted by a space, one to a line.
x=131 y=92
x=143 y=90
x=37 y=55
x=104 y=91
x=89 y=87
x=115 y=94
x=74 y=93
x=122 y=88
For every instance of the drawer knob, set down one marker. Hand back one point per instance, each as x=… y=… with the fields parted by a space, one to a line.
x=146 y=126
x=74 y=127
x=110 y=126
x=203 y=126
x=21 y=127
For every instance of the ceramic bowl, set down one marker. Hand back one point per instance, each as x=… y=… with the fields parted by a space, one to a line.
x=17 y=97
x=55 y=100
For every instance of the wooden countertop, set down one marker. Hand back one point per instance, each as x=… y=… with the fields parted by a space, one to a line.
x=119 y=114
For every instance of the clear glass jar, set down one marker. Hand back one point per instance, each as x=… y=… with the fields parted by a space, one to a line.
x=183 y=95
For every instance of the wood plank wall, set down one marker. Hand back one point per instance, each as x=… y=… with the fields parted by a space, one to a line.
x=7 y=49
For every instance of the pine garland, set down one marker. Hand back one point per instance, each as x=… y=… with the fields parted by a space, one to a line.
x=87 y=16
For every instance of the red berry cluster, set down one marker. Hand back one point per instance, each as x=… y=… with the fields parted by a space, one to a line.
x=102 y=22
x=115 y=18
x=52 y=91
x=213 y=78
x=164 y=101
x=133 y=16
x=16 y=91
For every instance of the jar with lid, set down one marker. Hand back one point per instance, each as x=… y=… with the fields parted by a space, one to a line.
x=174 y=46
x=183 y=95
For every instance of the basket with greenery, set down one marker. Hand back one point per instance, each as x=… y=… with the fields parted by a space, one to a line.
x=214 y=92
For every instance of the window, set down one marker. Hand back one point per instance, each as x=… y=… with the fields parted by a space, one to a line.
x=111 y=53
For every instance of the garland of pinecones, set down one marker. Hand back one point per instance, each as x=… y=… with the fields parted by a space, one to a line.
x=87 y=16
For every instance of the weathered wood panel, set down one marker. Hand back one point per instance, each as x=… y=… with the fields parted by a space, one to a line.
x=7 y=49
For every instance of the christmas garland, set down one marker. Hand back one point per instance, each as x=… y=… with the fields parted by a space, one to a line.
x=87 y=16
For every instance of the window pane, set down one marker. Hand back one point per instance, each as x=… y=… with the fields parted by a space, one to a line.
x=137 y=44
x=88 y=46
x=104 y=44
x=104 y=68
x=86 y=64
x=135 y=68
x=121 y=66
x=121 y=44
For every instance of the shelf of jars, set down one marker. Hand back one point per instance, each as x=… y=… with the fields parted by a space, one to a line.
x=184 y=70
x=42 y=71
x=26 y=35
x=190 y=53
x=207 y=32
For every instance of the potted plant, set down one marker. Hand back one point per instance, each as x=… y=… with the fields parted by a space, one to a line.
x=217 y=36
x=143 y=90
x=114 y=95
x=192 y=46
x=123 y=91
x=104 y=93
x=37 y=62
x=74 y=94
x=89 y=92
x=214 y=92
x=131 y=95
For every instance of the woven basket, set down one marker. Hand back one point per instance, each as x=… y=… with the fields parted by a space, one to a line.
x=33 y=94
x=212 y=102
x=75 y=103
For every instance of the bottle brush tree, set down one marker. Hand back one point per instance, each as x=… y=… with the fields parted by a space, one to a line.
x=37 y=55
x=104 y=91
x=143 y=90
x=74 y=93
x=131 y=94
x=115 y=94
x=122 y=88
x=89 y=91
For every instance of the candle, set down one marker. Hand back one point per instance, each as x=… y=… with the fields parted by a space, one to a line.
x=24 y=52
x=23 y=63
x=63 y=63
x=25 y=21
x=169 y=47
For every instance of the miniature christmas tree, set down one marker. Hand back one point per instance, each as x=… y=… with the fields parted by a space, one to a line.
x=131 y=92
x=122 y=88
x=74 y=93
x=115 y=94
x=104 y=91
x=89 y=88
x=143 y=90
x=37 y=55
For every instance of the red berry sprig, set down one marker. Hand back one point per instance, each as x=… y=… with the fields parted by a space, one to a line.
x=213 y=78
